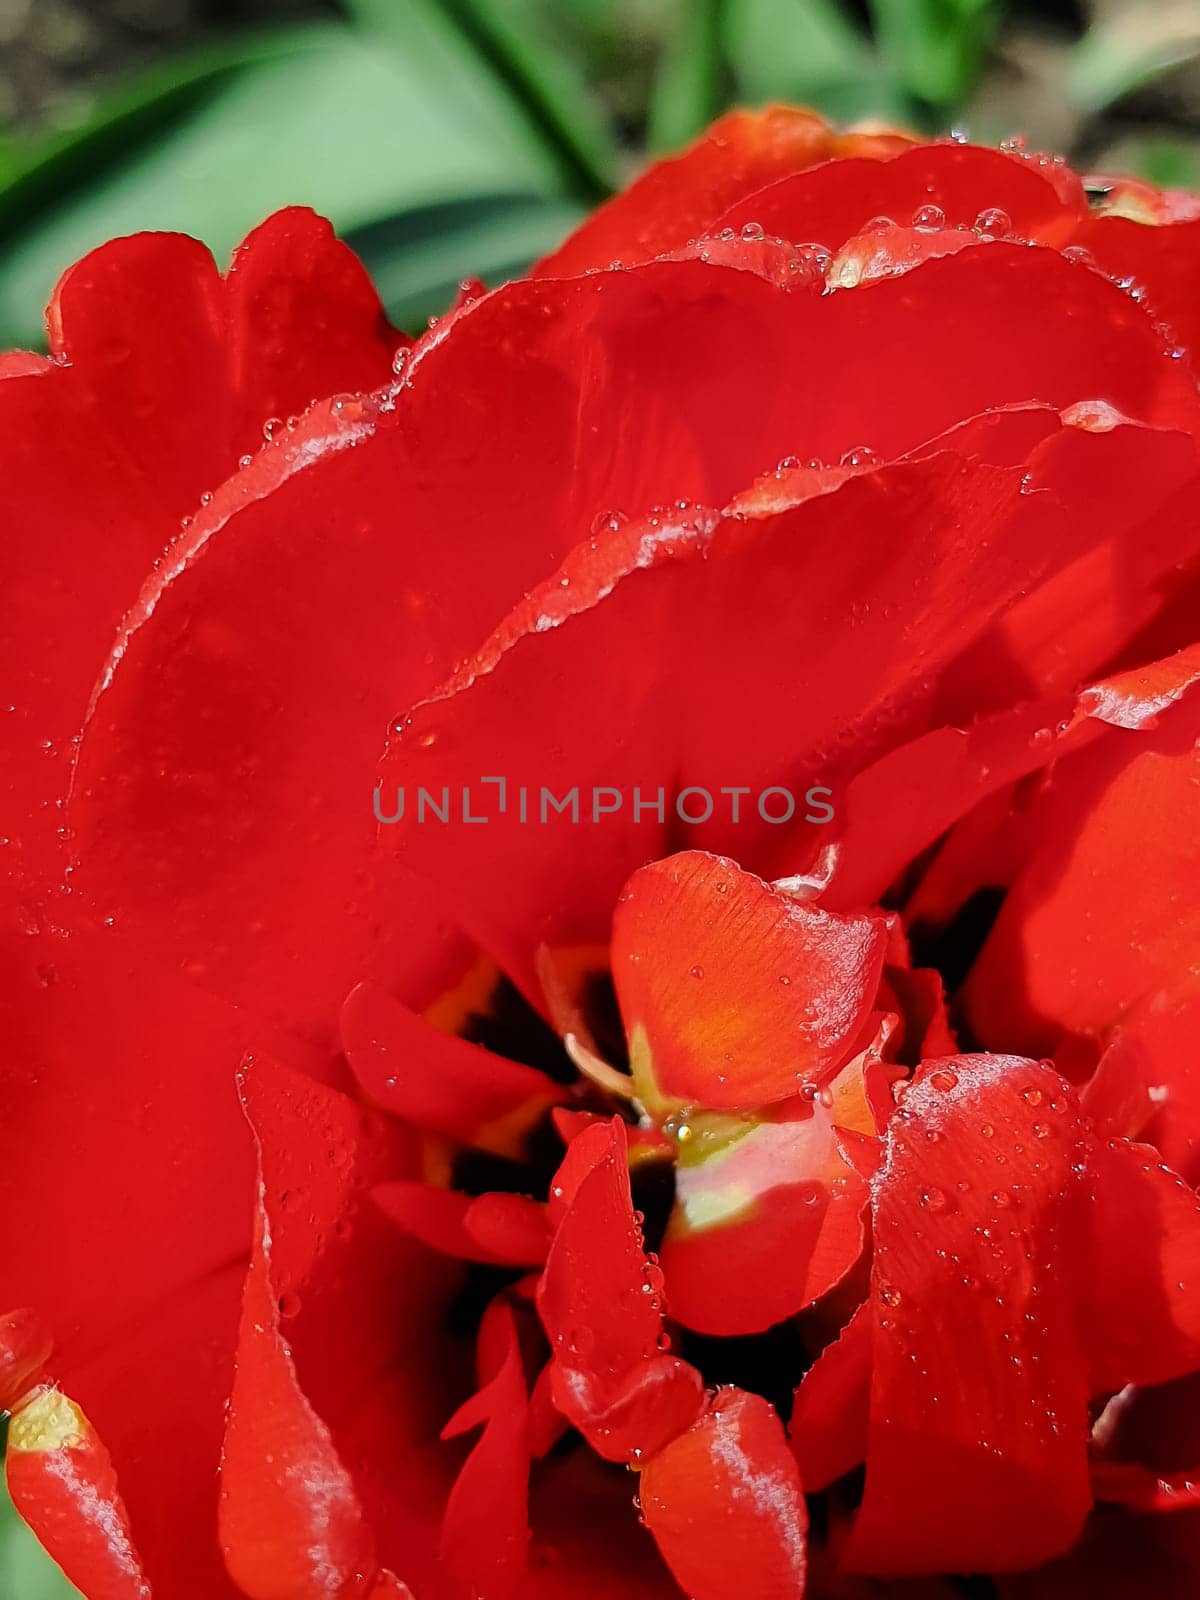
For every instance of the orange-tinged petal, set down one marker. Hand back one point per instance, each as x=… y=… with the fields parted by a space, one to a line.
x=733 y=993
x=725 y=1504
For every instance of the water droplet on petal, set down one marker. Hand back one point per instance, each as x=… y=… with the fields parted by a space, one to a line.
x=608 y=522
x=995 y=221
x=929 y=217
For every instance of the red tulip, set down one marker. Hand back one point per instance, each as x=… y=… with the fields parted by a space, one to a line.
x=747 y=1061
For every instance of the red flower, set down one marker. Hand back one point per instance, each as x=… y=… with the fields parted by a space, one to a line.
x=836 y=554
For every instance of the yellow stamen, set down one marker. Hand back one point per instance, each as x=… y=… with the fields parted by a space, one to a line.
x=49 y=1422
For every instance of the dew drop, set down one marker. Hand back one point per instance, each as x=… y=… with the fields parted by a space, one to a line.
x=608 y=522
x=860 y=456
x=995 y=221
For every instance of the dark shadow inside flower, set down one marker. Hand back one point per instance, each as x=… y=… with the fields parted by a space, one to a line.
x=952 y=949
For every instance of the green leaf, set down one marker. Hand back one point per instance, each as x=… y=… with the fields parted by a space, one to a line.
x=1169 y=163
x=686 y=93
x=529 y=41
x=327 y=121
x=418 y=257
x=935 y=47
x=37 y=168
x=1130 y=47
x=26 y=1571
x=808 y=52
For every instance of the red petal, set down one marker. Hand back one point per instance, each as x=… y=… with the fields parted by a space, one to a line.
x=294 y=698
x=1147 y=1084
x=304 y=321
x=831 y=1413
x=438 y=1082
x=944 y=774
x=336 y=1362
x=976 y=1444
x=1157 y=259
x=547 y=1425
x=125 y=1074
x=485 y=1531
x=162 y=376
x=1157 y=1427
x=1128 y=1484
x=771 y=1222
x=1122 y=830
x=889 y=252
x=734 y=994
x=1140 y=1283
x=1106 y=606
x=833 y=201
x=503 y=1229
x=599 y=1300
x=62 y=1481
x=764 y=1257
x=587 y=1540
x=725 y=1505
x=512 y=1226
x=25 y=1346
x=680 y=198
x=437 y=1217
x=685 y=615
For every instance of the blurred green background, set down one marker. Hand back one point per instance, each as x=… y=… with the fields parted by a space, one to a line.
x=448 y=138
x=454 y=137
